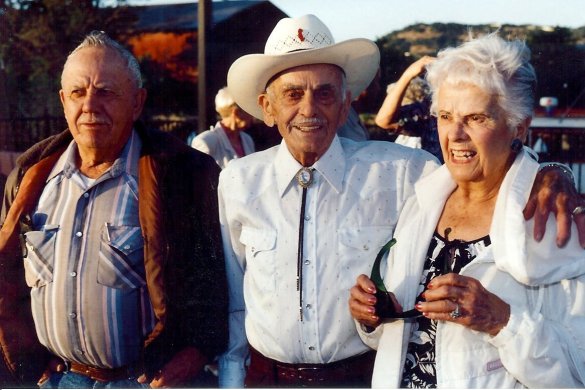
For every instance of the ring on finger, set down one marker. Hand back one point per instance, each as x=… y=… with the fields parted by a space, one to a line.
x=456 y=313
x=578 y=210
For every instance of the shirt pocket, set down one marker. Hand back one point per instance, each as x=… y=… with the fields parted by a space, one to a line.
x=475 y=364
x=260 y=247
x=121 y=262
x=40 y=255
x=357 y=250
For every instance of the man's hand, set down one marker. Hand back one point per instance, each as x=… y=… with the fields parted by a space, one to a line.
x=55 y=365
x=553 y=191
x=183 y=366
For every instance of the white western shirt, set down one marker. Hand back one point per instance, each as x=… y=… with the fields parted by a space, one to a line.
x=351 y=210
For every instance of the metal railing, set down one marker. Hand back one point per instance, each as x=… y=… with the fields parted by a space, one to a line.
x=561 y=144
x=566 y=145
x=17 y=135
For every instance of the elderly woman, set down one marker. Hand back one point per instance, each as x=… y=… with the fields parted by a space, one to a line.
x=495 y=308
x=227 y=140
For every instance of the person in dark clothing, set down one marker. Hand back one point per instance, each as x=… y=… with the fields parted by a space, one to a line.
x=406 y=110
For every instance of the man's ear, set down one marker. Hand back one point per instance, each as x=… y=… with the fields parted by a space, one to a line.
x=345 y=109
x=264 y=102
x=139 y=103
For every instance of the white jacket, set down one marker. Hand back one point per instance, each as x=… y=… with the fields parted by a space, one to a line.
x=543 y=344
x=216 y=143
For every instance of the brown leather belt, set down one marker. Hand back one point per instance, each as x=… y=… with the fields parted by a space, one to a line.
x=102 y=374
x=355 y=371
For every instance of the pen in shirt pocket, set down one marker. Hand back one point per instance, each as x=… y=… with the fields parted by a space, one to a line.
x=108 y=231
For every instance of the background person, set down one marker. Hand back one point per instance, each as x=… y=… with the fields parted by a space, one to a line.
x=123 y=282
x=498 y=308
x=227 y=140
x=354 y=128
x=406 y=110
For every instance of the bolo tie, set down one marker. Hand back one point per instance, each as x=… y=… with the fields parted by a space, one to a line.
x=305 y=178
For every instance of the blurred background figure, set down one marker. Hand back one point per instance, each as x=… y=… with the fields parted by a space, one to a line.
x=264 y=137
x=353 y=127
x=366 y=102
x=406 y=110
x=227 y=140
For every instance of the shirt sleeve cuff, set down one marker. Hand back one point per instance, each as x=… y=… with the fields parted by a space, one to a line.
x=231 y=373
x=509 y=331
x=370 y=336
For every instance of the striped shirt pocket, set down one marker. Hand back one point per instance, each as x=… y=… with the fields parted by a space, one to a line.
x=40 y=255
x=121 y=262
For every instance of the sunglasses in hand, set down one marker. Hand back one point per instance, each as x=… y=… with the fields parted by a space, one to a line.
x=385 y=308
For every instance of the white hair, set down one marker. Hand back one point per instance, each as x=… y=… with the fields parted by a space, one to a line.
x=101 y=39
x=493 y=64
x=223 y=99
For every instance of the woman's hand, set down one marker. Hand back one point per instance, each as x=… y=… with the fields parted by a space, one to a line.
x=385 y=118
x=478 y=308
x=417 y=68
x=362 y=301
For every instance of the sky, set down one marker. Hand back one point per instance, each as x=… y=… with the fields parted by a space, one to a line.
x=375 y=18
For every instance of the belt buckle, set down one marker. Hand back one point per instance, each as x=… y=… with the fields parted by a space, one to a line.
x=310 y=374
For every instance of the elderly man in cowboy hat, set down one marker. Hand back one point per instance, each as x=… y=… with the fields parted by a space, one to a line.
x=301 y=220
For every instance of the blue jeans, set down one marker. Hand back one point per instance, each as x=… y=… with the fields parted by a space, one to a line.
x=72 y=380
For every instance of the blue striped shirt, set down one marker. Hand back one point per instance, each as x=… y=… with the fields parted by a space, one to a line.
x=84 y=263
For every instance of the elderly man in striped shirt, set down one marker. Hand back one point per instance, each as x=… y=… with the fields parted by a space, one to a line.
x=120 y=239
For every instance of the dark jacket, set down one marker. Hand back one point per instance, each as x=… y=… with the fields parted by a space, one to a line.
x=183 y=256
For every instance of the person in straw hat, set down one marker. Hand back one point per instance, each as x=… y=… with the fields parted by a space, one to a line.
x=300 y=221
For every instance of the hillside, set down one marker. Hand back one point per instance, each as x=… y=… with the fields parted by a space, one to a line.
x=558 y=53
x=427 y=39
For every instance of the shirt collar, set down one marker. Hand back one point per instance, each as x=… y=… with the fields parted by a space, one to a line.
x=331 y=166
x=440 y=183
x=127 y=162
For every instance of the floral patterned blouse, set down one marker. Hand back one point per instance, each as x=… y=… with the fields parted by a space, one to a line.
x=443 y=256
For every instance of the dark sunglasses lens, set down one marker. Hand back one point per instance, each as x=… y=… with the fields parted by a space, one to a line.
x=385 y=308
x=384 y=305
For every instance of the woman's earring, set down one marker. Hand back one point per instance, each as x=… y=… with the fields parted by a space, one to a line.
x=516 y=145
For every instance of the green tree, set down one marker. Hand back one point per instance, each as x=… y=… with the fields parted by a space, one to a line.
x=35 y=38
x=559 y=63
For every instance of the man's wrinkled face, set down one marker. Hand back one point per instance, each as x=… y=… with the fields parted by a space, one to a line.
x=308 y=104
x=100 y=99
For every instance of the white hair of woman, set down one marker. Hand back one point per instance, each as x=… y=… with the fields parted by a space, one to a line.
x=493 y=64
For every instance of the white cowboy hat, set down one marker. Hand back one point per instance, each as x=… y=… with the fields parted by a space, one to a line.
x=301 y=41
